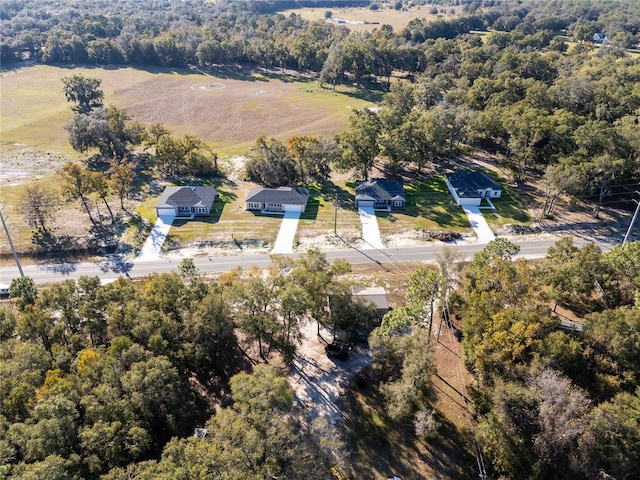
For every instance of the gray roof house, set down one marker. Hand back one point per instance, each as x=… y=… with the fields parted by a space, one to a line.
x=469 y=188
x=379 y=193
x=186 y=201
x=281 y=199
x=375 y=295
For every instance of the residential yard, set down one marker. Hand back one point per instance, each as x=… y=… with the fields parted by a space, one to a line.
x=429 y=206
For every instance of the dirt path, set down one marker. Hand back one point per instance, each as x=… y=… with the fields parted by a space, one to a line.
x=318 y=381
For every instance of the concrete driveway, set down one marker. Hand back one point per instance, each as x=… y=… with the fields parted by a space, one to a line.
x=370 y=230
x=479 y=224
x=151 y=248
x=288 y=228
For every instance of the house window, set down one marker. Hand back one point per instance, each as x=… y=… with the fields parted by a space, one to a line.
x=397 y=203
x=202 y=210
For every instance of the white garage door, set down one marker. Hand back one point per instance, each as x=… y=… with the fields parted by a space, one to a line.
x=365 y=204
x=293 y=208
x=165 y=212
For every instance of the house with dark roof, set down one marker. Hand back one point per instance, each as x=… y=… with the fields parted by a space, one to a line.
x=469 y=188
x=379 y=193
x=281 y=199
x=600 y=38
x=186 y=201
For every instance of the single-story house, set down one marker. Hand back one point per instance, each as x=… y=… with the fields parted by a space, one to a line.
x=375 y=295
x=282 y=199
x=381 y=194
x=469 y=188
x=186 y=201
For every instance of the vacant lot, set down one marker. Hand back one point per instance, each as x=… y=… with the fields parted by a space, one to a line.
x=355 y=18
x=228 y=110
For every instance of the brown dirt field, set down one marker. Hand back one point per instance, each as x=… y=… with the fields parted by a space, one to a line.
x=355 y=17
x=227 y=111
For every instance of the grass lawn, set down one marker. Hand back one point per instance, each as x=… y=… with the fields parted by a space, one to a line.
x=509 y=208
x=322 y=218
x=429 y=207
x=228 y=110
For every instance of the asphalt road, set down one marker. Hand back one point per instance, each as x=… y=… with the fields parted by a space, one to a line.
x=111 y=269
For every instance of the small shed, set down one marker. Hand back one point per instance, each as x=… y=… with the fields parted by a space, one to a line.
x=469 y=188
x=186 y=201
x=375 y=295
x=380 y=194
x=282 y=199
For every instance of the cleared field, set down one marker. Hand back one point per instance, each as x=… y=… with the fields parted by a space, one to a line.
x=228 y=111
x=355 y=18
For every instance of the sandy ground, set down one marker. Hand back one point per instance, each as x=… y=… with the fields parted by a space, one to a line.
x=319 y=381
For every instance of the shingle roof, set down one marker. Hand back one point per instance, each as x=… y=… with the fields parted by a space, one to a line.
x=280 y=195
x=379 y=189
x=187 y=196
x=467 y=184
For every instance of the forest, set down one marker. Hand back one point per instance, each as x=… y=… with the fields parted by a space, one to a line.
x=535 y=90
x=109 y=381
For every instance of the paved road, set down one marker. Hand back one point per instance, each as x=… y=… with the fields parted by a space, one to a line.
x=386 y=258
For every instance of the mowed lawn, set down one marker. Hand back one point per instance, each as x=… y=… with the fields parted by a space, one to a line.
x=229 y=111
x=429 y=207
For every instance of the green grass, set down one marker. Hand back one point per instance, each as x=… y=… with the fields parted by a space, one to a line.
x=429 y=207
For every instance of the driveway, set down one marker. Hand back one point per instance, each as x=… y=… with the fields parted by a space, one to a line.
x=370 y=230
x=288 y=228
x=151 y=248
x=479 y=224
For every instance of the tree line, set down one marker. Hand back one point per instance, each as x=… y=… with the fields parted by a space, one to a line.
x=178 y=34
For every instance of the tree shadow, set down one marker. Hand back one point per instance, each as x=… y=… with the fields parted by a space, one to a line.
x=47 y=242
x=384 y=447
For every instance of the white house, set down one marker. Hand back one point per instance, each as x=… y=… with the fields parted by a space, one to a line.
x=469 y=188
x=186 y=201
x=282 y=199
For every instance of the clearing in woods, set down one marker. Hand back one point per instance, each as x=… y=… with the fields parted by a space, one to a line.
x=229 y=109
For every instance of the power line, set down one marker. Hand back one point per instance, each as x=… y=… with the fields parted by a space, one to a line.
x=13 y=250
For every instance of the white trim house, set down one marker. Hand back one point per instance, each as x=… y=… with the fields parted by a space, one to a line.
x=186 y=201
x=380 y=194
x=282 y=199
x=469 y=188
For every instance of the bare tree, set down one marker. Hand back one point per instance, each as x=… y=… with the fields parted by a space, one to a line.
x=37 y=204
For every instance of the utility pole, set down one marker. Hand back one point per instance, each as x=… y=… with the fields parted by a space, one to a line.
x=633 y=220
x=335 y=217
x=13 y=250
